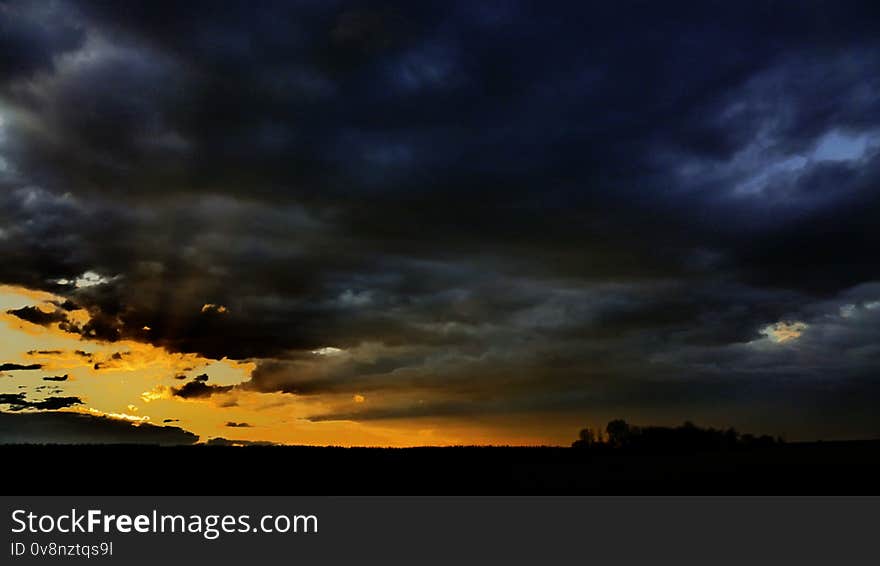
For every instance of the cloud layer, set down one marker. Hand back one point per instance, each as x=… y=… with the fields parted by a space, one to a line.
x=454 y=209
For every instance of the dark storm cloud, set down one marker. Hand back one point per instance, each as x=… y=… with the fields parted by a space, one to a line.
x=8 y=366
x=199 y=388
x=494 y=201
x=73 y=428
x=66 y=305
x=18 y=402
x=34 y=35
x=56 y=377
x=37 y=316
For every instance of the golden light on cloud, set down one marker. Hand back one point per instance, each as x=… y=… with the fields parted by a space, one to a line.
x=782 y=332
x=328 y=351
x=159 y=392
x=118 y=416
x=87 y=279
x=139 y=383
x=211 y=307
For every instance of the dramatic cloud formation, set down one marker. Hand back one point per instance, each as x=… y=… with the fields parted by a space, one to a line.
x=441 y=210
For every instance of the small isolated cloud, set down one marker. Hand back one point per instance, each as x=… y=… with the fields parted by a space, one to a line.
x=212 y=308
x=782 y=332
x=86 y=280
x=232 y=424
x=18 y=367
x=37 y=316
x=327 y=351
x=56 y=377
x=199 y=388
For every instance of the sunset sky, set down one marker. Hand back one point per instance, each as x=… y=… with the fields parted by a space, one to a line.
x=413 y=223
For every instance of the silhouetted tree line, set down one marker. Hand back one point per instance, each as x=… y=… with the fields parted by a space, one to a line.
x=688 y=437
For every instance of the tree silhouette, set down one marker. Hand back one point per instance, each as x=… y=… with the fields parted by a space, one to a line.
x=587 y=438
x=618 y=433
x=688 y=438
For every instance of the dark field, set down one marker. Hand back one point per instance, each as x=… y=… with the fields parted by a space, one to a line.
x=794 y=468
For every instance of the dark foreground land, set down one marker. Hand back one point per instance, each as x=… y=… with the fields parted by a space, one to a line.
x=795 y=468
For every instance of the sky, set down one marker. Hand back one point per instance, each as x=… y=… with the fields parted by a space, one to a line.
x=429 y=223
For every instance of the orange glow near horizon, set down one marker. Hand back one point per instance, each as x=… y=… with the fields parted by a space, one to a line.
x=133 y=381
